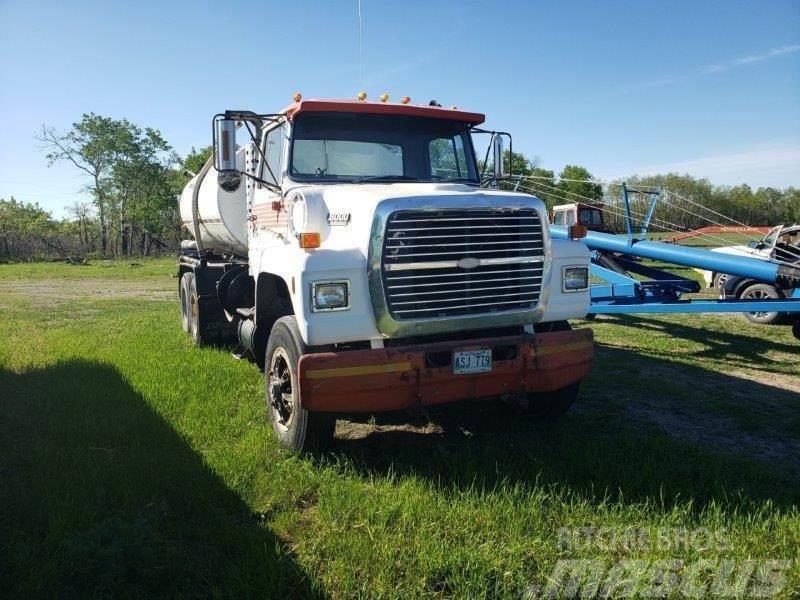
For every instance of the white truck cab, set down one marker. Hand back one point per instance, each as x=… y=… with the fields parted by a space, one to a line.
x=354 y=248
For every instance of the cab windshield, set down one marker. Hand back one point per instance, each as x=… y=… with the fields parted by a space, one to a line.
x=355 y=148
x=591 y=217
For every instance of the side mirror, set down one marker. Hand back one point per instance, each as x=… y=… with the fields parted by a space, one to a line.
x=753 y=244
x=225 y=145
x=225 y=153
x=497 y=154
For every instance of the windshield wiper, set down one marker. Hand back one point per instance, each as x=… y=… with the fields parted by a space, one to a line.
x=376 y=178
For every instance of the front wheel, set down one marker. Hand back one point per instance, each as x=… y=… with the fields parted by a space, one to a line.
x=551 y=406
x=296 y=428
x=762 y=291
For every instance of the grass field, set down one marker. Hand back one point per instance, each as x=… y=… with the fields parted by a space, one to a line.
x=711 y=240
x=133 y=464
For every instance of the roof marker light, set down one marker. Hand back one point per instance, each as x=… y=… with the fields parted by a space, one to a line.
x=384 y=97
x=405 y=99
x=297 y=97
x=362 y=96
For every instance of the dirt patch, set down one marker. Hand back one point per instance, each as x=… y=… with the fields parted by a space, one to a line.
x=742 y=412
x=46 y=292
x=781 y=381
x=724 y=434
x=349 y=430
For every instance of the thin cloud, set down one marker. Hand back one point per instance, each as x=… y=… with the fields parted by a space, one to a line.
x=712 y=69
x=750 y=59
x=776 y=164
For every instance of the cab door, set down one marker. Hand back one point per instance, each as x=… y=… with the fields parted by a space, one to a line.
x=267 y=218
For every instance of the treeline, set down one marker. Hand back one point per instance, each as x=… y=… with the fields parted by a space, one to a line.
x=133 y=178
x=685 y=202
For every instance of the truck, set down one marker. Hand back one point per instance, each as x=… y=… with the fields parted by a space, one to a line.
x=781 y=243
x=587 y=214
x=354 y=251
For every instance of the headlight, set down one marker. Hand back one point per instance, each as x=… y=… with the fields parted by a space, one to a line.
x=330 y=295
x=574 y=279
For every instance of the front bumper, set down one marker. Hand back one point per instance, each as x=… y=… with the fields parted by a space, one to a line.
x=398 y=378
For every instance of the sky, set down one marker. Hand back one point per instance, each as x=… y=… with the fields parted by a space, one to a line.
x=707 y=88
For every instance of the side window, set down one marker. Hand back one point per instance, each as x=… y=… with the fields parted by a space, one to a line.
x=559 y=218
x=570 y=218
x=448 y=158
x=274 y=152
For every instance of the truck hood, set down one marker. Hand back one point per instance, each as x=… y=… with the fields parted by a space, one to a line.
x=743 y=251
x=347 y=210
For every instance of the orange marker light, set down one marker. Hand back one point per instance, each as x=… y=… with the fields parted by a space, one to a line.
x=310 y=240
x=362 y=96
x=577 y=232
x=384 y=97
x=405 y=99
x=297 y=97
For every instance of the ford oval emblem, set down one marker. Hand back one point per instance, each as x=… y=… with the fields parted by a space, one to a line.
x=468 y=262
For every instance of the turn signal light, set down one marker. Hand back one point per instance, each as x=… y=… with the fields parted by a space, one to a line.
x=577 y=232
x=384 y=97
x=297 y=97
x=362 y=96
x=310 y=240
x=405 y=100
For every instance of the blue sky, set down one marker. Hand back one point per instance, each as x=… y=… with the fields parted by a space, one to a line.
x=709 y=88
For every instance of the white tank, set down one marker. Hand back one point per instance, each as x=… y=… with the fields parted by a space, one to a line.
x=222 y=214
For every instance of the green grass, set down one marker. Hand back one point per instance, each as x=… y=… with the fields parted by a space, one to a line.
x=711 y=240
x=127 y=269
x=132 y=463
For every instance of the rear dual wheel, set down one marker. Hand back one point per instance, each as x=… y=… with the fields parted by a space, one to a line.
x=195 y=320
x=184 y=294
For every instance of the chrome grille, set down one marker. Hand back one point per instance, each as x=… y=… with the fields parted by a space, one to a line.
x=462 y=262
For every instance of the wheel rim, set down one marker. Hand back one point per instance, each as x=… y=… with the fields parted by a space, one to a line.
x=184 y=308
x=193 y=313
x=280 y=390
x=758 y=295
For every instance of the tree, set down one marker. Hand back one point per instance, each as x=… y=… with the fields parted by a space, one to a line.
x=119 y=159
x=195 y=160
x=578 y=184
x=25 y=230
x=542 y=183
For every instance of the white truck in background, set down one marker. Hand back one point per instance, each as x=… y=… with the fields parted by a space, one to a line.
x=352 y=250
x=782 y=243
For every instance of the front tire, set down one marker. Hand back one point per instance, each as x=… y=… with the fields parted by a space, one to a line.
x=762 y=291
x=296 y=428
x=551 y=406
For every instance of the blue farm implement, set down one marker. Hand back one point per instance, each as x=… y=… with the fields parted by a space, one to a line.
x=623 y=283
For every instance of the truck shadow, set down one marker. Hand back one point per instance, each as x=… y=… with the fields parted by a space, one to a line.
x=99 y=496
x=661 y=433
x=718 y=344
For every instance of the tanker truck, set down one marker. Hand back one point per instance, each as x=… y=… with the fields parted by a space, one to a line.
x=351 y=251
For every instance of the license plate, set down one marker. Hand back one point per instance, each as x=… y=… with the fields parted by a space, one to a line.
x=472 y=361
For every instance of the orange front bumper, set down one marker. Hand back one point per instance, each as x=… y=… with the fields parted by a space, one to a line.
x=397 y=378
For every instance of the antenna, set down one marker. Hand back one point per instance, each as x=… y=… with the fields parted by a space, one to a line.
x=360 y=48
